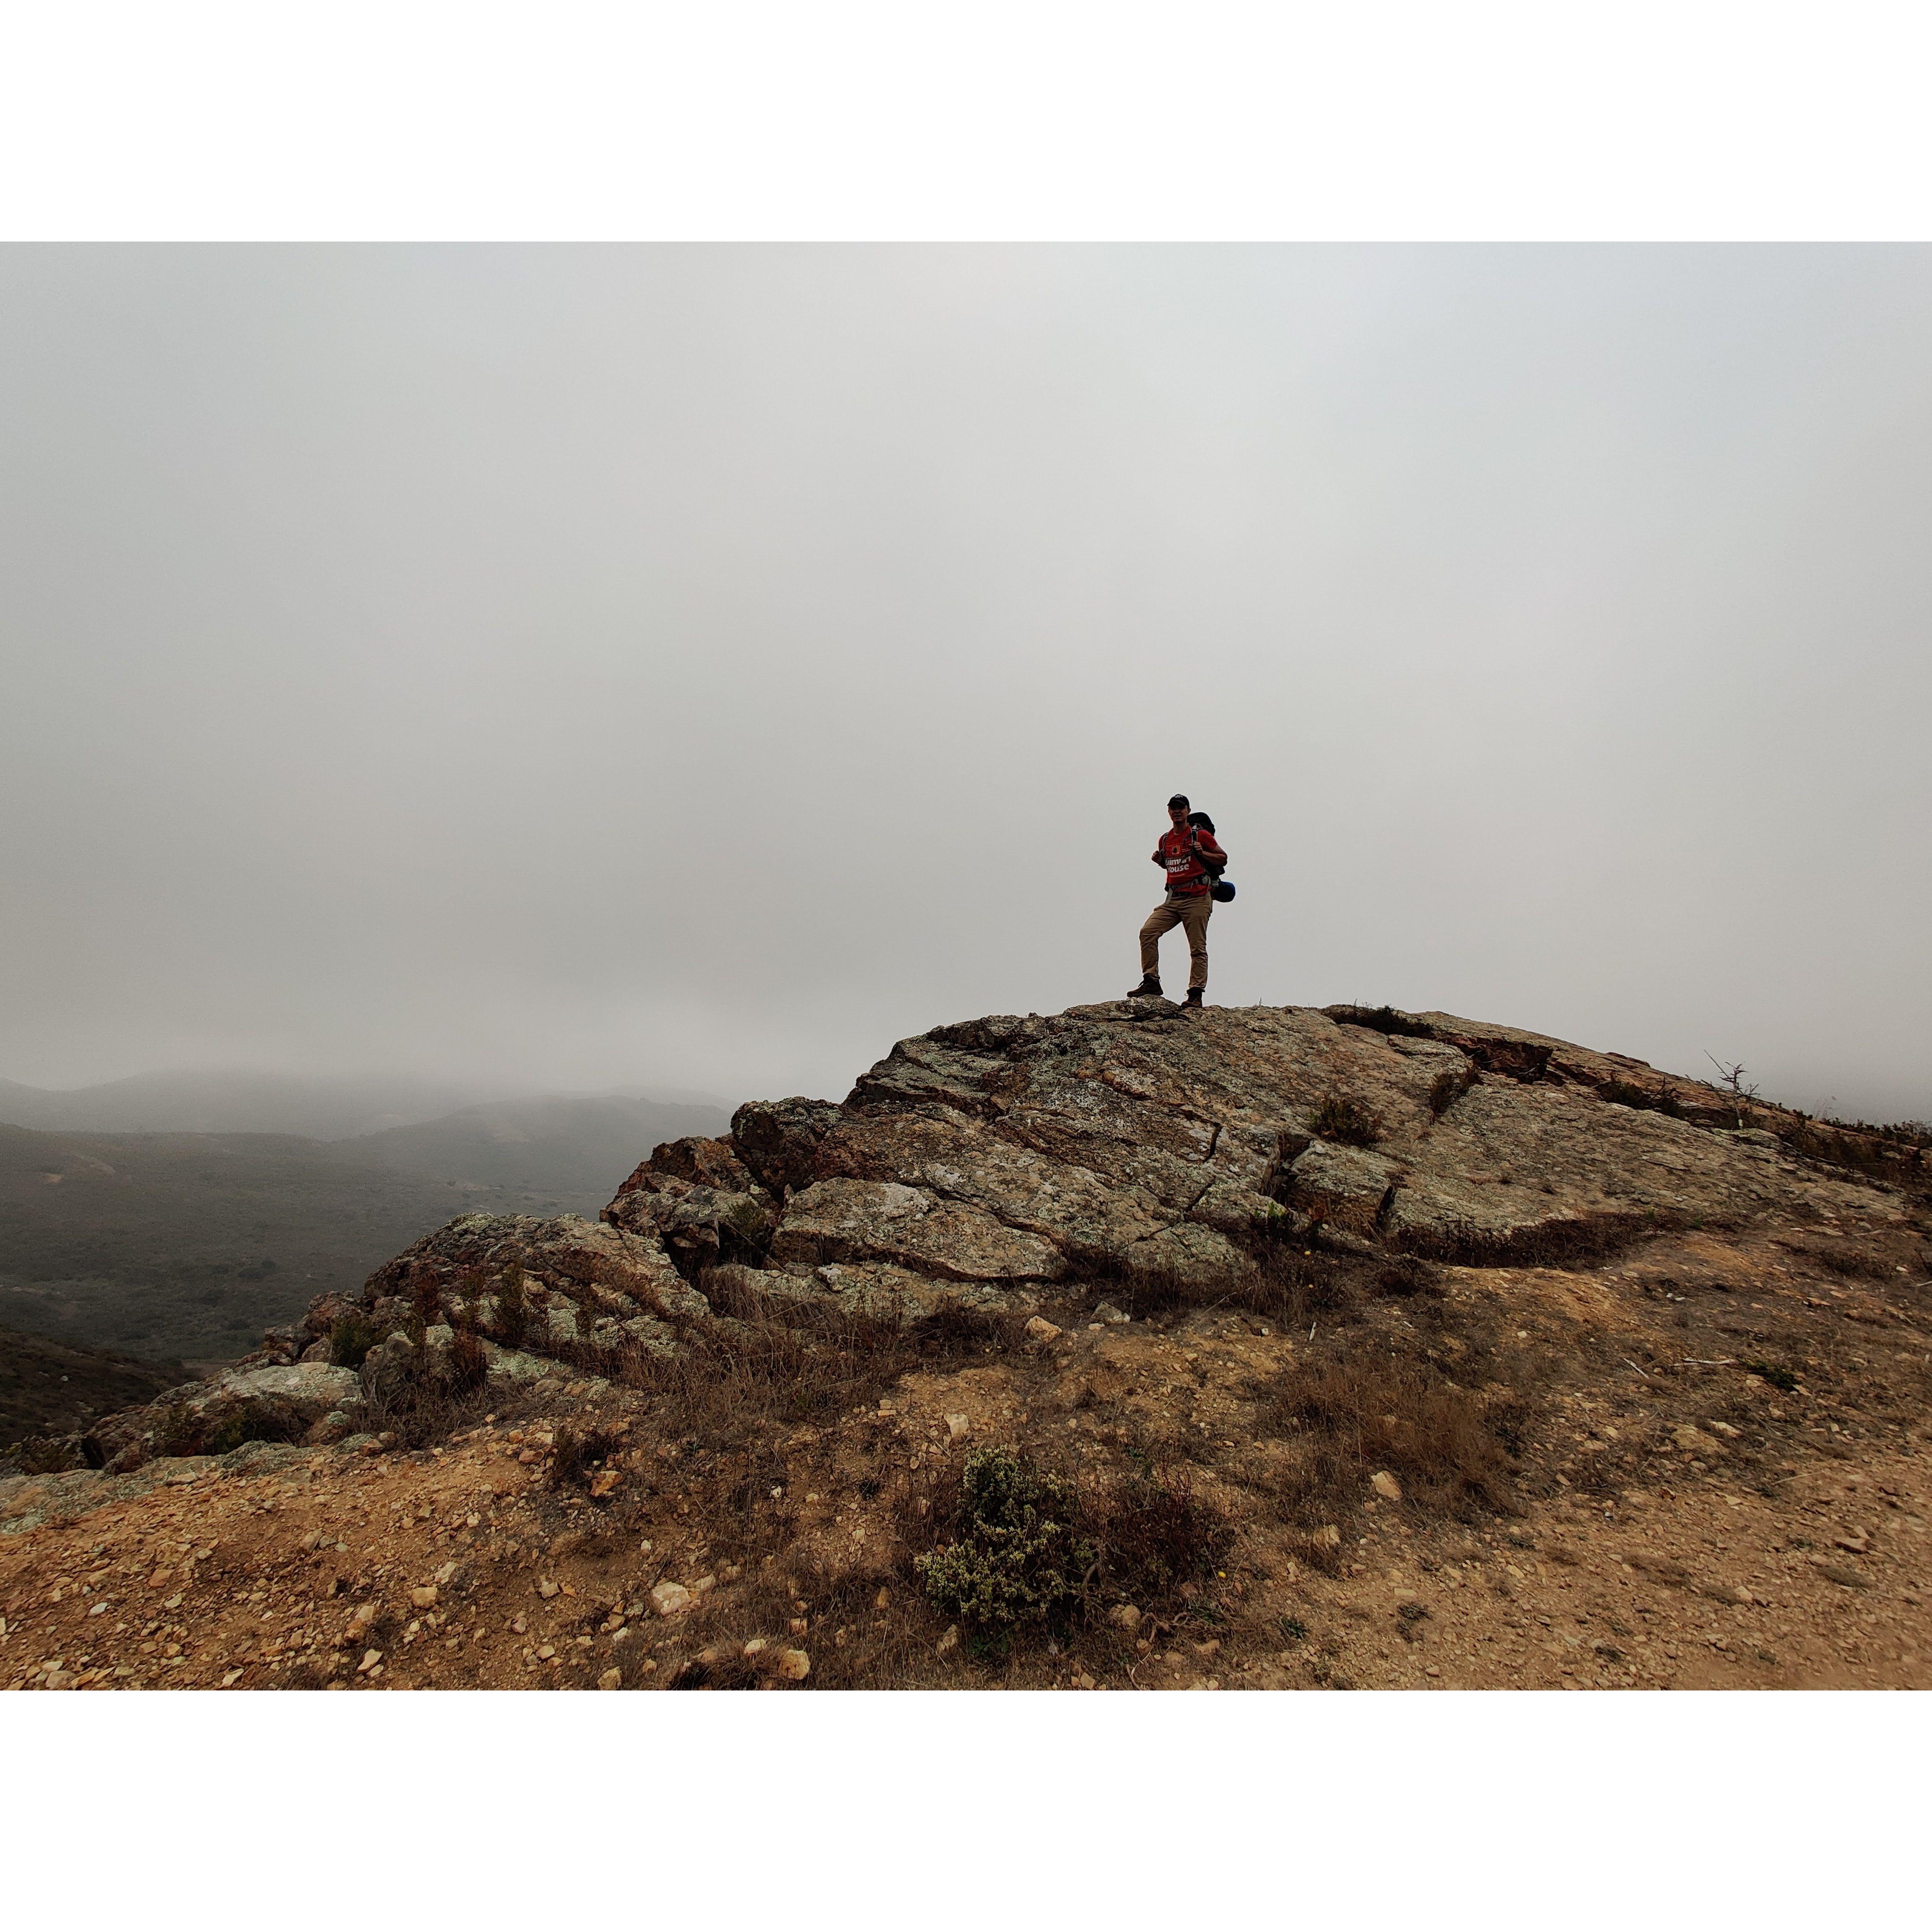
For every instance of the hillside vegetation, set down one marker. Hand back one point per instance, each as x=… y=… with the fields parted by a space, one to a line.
x=187 y=1245
x=49 y=1387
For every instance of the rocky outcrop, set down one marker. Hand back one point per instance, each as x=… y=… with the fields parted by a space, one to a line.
x=284 y=1402
x=1129 y=1137
x=501 y=1298
x=699 y=1202
x=983 y=1163
x=1132 y=1139
x=520 y=1282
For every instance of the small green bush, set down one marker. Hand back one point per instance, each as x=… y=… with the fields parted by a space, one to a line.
x=513 y=1306
x=350 y=1339
x=1019 y=1560
x=48 y=1455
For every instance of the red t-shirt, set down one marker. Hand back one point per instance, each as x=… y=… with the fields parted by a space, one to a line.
x=1186 y=874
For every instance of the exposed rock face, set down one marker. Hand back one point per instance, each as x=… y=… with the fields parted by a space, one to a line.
x=1130 y=1137
x=979 y=1162
x=523 y=1283
x=698 y=1201
x=285 y=1402
x=843 y=1220
x=777 y=1139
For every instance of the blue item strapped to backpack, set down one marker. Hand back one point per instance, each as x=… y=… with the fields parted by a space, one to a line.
x=1222 y=890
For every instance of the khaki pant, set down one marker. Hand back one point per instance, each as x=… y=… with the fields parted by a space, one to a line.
x=1189 y=912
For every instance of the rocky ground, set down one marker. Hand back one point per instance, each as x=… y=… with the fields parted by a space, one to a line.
x=1342 y=1350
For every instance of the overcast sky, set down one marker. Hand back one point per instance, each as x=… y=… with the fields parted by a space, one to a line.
x=701 y=667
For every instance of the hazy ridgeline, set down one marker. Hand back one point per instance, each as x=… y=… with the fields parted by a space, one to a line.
x=184 y=1244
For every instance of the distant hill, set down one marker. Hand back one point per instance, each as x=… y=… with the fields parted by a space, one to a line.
x=576 y=1150
x=187 y=1244
x=216 y=1103
x=233 y=1103
x=47 y=1388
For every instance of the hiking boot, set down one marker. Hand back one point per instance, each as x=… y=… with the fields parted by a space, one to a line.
x=1147 y=989
x=1193 y=998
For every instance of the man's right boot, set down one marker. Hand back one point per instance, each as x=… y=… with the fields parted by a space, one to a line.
x=1147 y=989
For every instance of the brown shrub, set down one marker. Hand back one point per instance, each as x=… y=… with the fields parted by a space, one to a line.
x=425 y=1305
x=469 y=1366
x=578 y=1454
x=1341 y=1117
x=1153 y=1534
x=1408 y=1275
x=1362 y=1414
x=1293 y=1281
x=513 y=1306
x=427 y=1411
x=802 y=1363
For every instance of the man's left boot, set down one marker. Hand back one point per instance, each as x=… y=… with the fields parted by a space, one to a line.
x=1193 y=998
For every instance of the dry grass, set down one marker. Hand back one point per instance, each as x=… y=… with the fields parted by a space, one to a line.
x=427 y=1411
x=1572 y=1242
x=1383 y=1019
x=1155 y=1536
x=1657 y=1099
x=1292 y=1281
x=1341 y=1117
x=1448 y=1448
x=795 y=1364
x=580 y=1453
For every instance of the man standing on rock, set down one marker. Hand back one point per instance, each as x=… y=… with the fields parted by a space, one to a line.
x=1185 y=852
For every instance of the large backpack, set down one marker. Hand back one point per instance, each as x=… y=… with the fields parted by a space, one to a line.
x=1221 y=890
